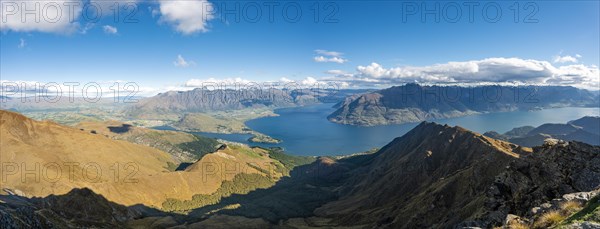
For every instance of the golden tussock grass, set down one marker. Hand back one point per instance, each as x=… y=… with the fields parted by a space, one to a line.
x=570 y=207
x=549 y=219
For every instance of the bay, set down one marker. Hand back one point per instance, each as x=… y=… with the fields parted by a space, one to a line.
x=306 y=130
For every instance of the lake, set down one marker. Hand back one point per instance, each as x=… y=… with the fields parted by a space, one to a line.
x=306 y=130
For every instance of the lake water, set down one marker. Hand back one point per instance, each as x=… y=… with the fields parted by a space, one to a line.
x=306 y=130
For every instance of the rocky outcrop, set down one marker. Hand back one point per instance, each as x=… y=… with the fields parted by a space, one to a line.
x=569 y=211
x=553 y=170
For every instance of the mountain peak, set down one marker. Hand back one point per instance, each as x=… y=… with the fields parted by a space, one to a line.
x=408 y=179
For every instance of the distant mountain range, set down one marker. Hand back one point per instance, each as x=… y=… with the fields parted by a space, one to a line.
x=415 y=103
x=586 y=129
x=435 y=176
x=204 y=100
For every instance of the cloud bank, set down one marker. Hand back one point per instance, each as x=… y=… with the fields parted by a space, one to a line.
x=566 y=59
x=490 y=70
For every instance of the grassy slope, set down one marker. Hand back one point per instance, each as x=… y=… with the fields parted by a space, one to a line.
x=184 y=147
x=151 y=183
x=591 y=212
x=243 y=183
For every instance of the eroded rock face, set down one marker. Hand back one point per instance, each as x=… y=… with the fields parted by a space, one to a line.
x=552 y=171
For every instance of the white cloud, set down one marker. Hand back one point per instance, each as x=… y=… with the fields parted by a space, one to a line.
x=309 y=81
x=285 y=80
x=57 y=16
x=373 y=70
x=186 y=16
x=87 y=27
x=241 y=82
x=109 y=29
x=490 y=70
x=329 y=56
x=338 y=73
x=334 y=59
x=22 y=43
x=154 y=12
x=328 y=53
x=566 y=59
x=198 y=83
x=181 y=62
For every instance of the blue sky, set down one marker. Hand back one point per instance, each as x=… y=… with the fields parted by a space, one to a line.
x=364 y=44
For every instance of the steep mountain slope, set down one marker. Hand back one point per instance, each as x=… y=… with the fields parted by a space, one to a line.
x=415 y=103
x=431 y=177
x=589 y=124
x=519 y=131
x=441 y=177
x=63 y=158
x=183 y=146
x=553 y=129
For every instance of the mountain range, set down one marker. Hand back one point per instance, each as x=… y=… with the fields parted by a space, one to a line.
x=586 y=129
x=416 y=103
x=434 y=176
x=205 y=100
